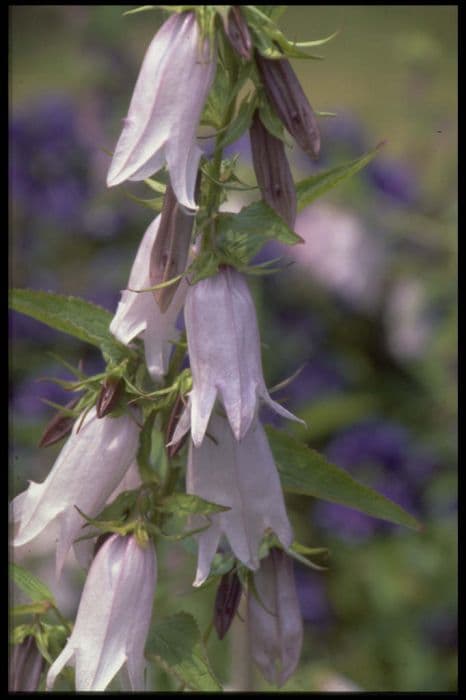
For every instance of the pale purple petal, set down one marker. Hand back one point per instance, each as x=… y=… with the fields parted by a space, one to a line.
x=113 y=617
x=243 y=476
x=139 y=313
x=224 y=350
x=175 y=78
x=91 y=464
x=275 y=623
x=134 y=309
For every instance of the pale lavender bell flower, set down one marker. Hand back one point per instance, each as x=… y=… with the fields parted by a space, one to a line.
x=243 y=477
x=224 y=350
x=138 y=312
x=172 y=86
x=90 y=466
x=113 y=617
x=275 y=624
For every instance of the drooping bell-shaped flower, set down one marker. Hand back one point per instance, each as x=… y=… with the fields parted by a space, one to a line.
x=224 y=351
x=242 y=476
x=90 y=466
x=113 y=617
x=138 y=312
x=275 y=623
x=172 y=86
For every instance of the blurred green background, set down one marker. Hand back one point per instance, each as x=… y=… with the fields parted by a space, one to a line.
x=369 y=308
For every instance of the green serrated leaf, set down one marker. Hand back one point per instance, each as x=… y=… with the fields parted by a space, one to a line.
x=175 y=642
x=34 y=588
x=71 y=315
x=314 y=186
x=187 y=504
x=305 y=471
x=241 y=236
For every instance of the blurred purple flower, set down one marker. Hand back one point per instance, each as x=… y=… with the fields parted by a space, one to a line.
x=48 y=176
x=312 y=596
x=393 y=179
x=400 y=472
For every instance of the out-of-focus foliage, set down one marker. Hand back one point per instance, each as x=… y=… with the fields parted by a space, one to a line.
x=368 y=305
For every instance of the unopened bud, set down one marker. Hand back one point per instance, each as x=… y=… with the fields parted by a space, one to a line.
x=226 y=602
x=60 y=425
x=238 y=33
x=287 y=97
x=108 y=397
x=26 y=666
x=272 y=171
x=170 y=250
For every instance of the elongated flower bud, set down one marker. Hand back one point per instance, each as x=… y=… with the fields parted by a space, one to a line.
x=238 y=32
x=272 y=171
x=226 y=602
x=224 y=351
x=287 y=97
x=108 y=396
x=113 y=617
x=242 y=476
x=172 y=86
x=26 y=666
x=275 y=622
x=59 y=426
x=170 y=250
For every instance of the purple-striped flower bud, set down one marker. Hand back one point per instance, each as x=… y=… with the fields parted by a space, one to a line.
x=275 y=624
x=287 y=97
x=224 y=351
x=113 y=617
x=172 y=86
x=59 y=426
x=26 y=666
x=170 y=250
x=226 y=602
x=273 y=171
x=138 y=313
x=90 y=466
x=243 y=477
x=108 y=396
x=238 y=33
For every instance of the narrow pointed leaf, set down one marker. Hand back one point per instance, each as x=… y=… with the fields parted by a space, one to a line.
x=186 y=504
x=34 y=588
x=314 y=186
x=71 y=315
x=305 y=471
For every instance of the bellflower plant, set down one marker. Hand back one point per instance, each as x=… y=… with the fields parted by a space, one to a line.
x=138 y=313
x=113 y=617
x=275 y=622
x=224 y=349
x=167 y=442
x=90 y=466
x=242 y=476
x=163 y=116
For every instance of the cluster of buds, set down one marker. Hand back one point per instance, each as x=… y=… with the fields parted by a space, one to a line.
x=229 y=461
